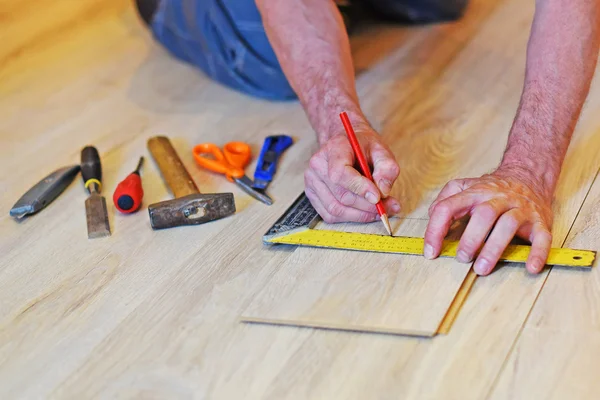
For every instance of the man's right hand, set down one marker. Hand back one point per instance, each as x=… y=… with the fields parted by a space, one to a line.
x=338 y=191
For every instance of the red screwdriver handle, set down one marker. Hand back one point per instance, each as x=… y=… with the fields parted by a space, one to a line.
x=128 y=194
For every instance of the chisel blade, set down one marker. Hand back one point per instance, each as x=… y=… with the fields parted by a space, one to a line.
x=97 y=216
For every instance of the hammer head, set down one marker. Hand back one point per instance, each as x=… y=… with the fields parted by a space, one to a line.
x=192 y=209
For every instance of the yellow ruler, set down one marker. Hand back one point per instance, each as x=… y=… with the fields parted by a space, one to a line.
x=414 y=246
x=295 y=228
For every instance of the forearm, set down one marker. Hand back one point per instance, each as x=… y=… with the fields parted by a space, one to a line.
x=311 y=44
x=561 y=59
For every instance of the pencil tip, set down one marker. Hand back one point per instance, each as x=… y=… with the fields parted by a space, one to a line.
x=386 y=223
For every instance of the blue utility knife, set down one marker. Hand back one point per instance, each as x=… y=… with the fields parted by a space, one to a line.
x=272 y=149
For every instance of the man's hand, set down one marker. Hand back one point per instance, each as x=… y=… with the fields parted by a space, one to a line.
x=338 y=191
x=506 y=201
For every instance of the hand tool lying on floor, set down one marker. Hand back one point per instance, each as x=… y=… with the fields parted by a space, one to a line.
x=266 y=166
x=295 y=227
x=230 y=162
x=44 y=192
x=129 y=192
x=95 y=205
x=364 y=166
x=189 y=207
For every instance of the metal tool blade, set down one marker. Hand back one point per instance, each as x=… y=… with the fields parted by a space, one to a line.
x=246 y=185
x=96 y=216
x=193 y=209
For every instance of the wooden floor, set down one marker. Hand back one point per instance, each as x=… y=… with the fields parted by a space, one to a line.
x=156 y=314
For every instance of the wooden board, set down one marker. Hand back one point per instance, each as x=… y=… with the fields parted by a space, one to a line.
x=371 y=292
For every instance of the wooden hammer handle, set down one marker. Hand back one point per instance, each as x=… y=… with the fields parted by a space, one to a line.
x=172 y=169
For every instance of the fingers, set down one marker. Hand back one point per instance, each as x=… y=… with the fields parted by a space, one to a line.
x=483 y=218
x=442 y=217
x=353 y=200
x=341 y=172
x=450 y=189
x=328 y=207
x=385 y=168
x=499 y=239
x=540 y=248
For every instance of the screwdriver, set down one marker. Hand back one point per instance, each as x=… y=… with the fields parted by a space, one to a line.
x=129 y=193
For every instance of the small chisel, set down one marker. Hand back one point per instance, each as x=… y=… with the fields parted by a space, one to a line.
x=95 y=205
x=44 y=192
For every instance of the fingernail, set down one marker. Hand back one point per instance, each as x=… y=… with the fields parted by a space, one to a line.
x=428 y=252
x=536 y=267
x=396 y=208
x=371 y=198
x=385 y=187
x=482 y=266
x=462 y=256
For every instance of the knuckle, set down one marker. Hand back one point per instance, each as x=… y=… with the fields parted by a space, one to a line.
x=355 y=185
x=347 y=198
x=492 y=251
x=329 y=219
x=315 y=162
x=545 y=234
x=335 y=209
x=511 y=221
x=336 y=173
x=468 y=244
x=395 y=169
x=454 y=184
x=486 y=211
x=442 y=208
x=307 y=177
x=365 y=217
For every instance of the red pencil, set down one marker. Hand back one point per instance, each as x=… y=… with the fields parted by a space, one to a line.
x=362 y=161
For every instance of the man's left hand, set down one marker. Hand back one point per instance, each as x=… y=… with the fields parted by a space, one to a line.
x=503 y=204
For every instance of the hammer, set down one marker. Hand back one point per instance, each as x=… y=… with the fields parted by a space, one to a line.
x=190 y=207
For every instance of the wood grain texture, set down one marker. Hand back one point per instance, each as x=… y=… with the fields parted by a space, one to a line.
x=370 y=292
x=148 y=314
x=563 y=331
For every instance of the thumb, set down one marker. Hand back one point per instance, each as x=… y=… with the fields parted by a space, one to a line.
x=385 y=168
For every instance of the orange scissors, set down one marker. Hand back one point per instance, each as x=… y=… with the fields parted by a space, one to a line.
x=229 y=162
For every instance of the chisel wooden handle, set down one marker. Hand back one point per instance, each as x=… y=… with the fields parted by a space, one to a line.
x=172 y=169
x=91 y=169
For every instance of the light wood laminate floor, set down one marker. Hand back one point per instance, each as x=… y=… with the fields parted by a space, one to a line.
x=155 y=314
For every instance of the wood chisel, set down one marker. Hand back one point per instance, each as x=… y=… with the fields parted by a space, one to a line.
x=95 y=205
x=295 y=227
x=44 y=192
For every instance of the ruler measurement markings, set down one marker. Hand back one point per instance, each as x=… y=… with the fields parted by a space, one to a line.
x=295 y=228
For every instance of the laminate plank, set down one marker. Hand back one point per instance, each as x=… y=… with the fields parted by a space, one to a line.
x=360 y=291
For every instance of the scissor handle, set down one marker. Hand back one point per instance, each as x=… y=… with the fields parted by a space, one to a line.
x=237 y=154
x=230 y=162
